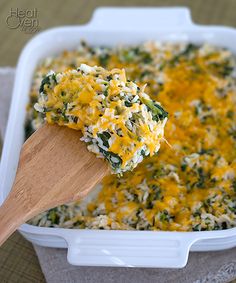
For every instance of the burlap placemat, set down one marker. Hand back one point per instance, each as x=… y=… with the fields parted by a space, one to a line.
x=218 y=267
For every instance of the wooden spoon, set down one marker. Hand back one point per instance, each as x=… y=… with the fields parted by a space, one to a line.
x=55 y=167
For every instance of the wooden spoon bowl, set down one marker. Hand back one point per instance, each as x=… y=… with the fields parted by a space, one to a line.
x=55 y=167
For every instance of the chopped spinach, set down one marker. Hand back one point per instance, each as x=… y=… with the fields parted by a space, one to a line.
x=202 y=177
x=128 y=104
x=144 y=74
x=232 y=132
x=47 y=81
x=197 y=227
x=104 y=59
x=105 y=92
x=53 y=216
x=188 y=50
x=113 y=158
x=135 y=54
x=109 y=77
x=155 y=194
x=223 y=69
x=183 y=167
x=104 y=136
x=230 y=114
x=234 y=185
x=206 y=151
x=165 y=216
x=146 y=58
x=158 y=113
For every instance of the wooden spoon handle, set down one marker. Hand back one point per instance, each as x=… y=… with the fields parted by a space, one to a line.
x=12 y=214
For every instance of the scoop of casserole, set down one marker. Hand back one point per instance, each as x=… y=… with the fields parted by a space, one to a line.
x=119 y=121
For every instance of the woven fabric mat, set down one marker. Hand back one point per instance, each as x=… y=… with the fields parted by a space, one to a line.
x=218 y=267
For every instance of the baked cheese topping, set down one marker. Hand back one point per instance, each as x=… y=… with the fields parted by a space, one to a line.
x=190 y=186
x=119 y=121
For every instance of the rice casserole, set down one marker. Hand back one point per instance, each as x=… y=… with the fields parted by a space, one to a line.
x=191 y=184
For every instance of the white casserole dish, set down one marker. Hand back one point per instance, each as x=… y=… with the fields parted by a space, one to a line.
x=111 y=26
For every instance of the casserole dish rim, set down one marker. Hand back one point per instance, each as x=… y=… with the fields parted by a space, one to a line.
x=180 y=242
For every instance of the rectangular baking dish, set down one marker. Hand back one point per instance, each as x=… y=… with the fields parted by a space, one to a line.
x=111 y=26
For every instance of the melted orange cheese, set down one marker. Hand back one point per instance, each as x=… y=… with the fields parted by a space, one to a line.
x=191 y=182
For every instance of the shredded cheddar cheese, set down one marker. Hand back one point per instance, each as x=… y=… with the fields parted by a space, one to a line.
x=118 y=120
x=190 y=186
